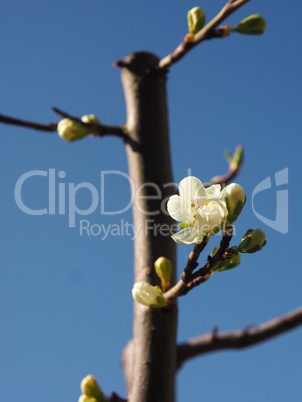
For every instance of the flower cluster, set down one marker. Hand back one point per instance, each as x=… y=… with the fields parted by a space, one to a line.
x=202 y=211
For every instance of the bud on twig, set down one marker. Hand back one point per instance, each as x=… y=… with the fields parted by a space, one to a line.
x=235 y=199
x=252 y=241
x=91 y=390
x=228 y=263
x=252 y=25
x=236 y=159
x=148 y=295
x=72 y=130
x=90 y=118
x=163 y=269
x=196 y=20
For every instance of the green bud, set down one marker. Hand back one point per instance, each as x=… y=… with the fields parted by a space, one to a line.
x=237 y=159
x=214 y=251
x=252 y=241
x=71 y=130
x=196 y=20
x=252 y=25
x=228 y=263
x=228 y=156
x=91 y=389
x=235 y=199
x=234 y=161
x=163 y=269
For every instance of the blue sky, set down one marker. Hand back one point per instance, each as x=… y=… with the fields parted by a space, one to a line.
x=65 y=299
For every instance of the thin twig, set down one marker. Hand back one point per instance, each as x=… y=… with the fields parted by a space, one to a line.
x=212 y=261
x=29 y=124
x=224 y=179
x=98 y=128
x=192 y=260
x=189 y=280
x=206 y=33
x=179 y=288
x=204 y=273
x=234 y=169
x=238 y=339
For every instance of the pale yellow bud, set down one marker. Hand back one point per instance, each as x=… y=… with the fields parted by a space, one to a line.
x=90 y=118
x=148 y=295
x=163 y=269
x=90 y=388
x=71 y=130
x=235 y=198
x=196 y=20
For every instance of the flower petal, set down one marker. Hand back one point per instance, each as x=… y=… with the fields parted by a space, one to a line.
x=211 y=216
x=192 y=190
x=180 y=210
x=214 y=191
x=188 y=236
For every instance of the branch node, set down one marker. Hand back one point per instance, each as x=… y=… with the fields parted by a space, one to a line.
x=214 y=331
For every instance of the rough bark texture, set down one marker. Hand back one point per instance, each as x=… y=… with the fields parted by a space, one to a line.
x=148 y=359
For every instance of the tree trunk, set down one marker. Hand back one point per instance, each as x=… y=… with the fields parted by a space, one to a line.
x=150 y=359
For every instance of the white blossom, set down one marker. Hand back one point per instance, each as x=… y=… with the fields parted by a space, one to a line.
x=201 y=210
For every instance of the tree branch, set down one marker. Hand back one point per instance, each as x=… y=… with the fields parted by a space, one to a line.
x=99 y=129
x=192 y=263
x=28 y=124
x=208 y=32
x=238 y=339
x=190 y=280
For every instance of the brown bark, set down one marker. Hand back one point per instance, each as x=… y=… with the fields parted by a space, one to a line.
x=150 y=360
